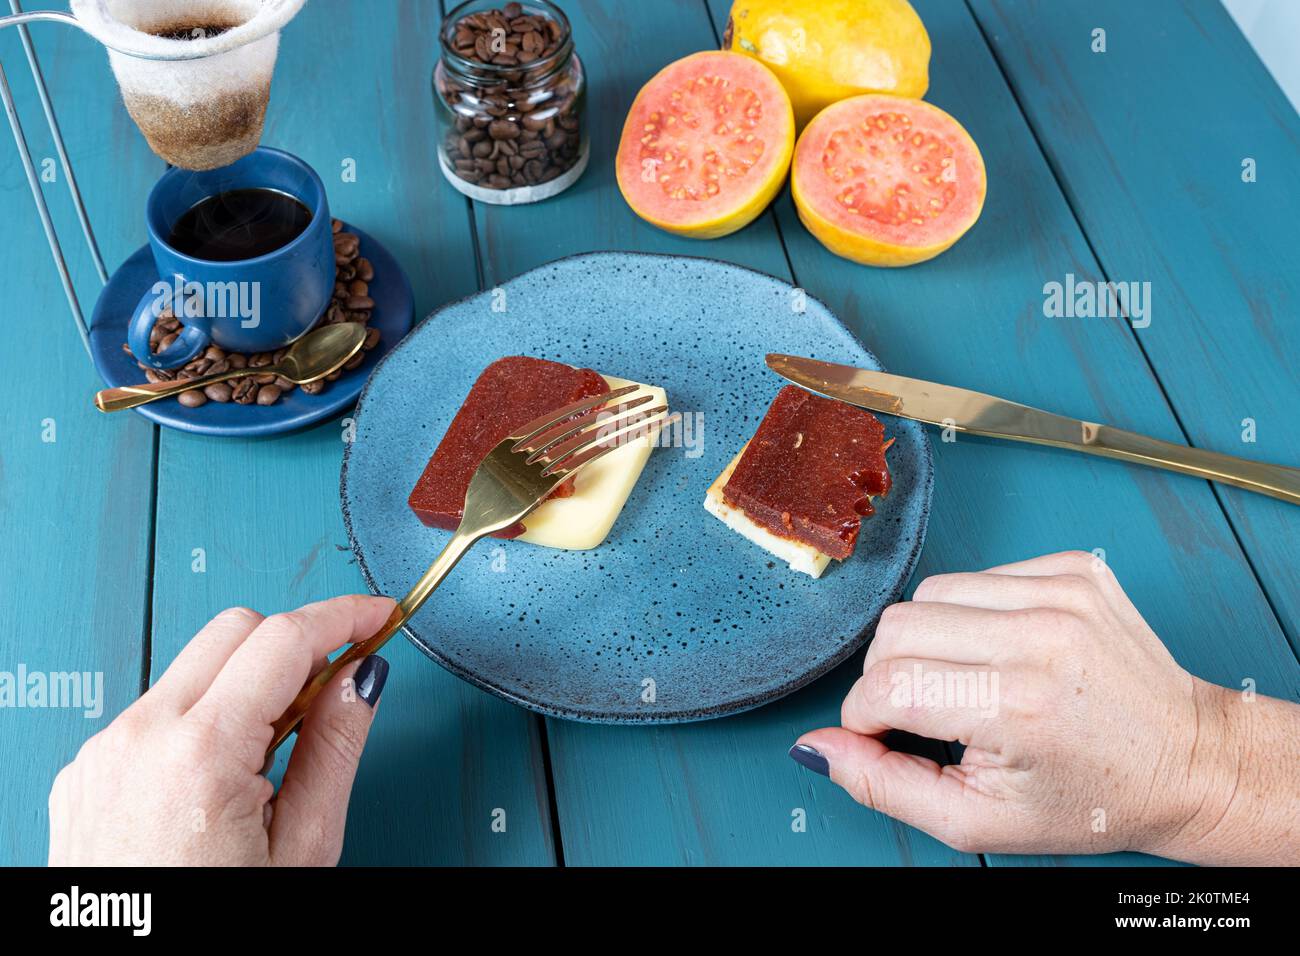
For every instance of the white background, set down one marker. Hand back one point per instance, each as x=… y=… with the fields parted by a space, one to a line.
x=1273 y=28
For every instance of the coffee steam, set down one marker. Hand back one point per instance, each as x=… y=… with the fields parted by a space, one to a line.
x=239 y=224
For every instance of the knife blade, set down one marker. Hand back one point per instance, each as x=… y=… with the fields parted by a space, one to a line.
x=980 y=414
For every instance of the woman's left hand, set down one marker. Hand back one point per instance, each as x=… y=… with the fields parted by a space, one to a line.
x=177 y=777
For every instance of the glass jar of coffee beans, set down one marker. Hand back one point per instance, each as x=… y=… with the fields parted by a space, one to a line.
x=510 y=95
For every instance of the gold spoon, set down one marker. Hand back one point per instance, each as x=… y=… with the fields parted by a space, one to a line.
x=313 y=356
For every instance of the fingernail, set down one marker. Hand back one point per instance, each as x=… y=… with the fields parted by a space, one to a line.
x=370 y=677
x=808 y=757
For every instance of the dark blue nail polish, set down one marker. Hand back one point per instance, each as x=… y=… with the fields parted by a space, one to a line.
x=806 y=756
x=370 y=677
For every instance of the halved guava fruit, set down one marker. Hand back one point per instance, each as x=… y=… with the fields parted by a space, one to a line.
x=706 y=144
x=887 y=180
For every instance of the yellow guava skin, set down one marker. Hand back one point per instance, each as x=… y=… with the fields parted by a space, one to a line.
x=828 y=50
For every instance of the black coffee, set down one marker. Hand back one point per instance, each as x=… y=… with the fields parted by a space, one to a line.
x=239 y=224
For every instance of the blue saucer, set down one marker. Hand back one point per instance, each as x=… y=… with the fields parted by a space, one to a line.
x=673 y=596
x=393 y=314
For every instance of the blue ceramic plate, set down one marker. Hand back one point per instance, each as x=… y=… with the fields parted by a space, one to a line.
x=673 y=596
x=394 y=311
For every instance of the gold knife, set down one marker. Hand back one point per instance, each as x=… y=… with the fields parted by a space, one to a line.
x=979 y=414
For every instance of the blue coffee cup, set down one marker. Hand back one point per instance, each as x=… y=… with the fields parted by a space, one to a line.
x=247 y=305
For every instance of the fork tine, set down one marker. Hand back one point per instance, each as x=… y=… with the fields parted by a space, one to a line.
x=551 y=419
x=594 y=445
x=548 y=438
x=596 y=431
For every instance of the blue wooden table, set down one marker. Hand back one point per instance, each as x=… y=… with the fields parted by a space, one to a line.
x=1124 y=165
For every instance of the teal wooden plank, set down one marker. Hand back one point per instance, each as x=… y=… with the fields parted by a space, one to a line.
x=1148 y=140
x=973 y=317
x=442 y=756
x=75 y=512
x=723 y=792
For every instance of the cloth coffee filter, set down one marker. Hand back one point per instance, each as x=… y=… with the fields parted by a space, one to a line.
x=200 y=101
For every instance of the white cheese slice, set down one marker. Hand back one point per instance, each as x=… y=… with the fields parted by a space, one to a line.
x=800 y=556
x=600 y=490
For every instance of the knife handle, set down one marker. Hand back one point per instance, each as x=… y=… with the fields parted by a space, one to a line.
x=1276 y=481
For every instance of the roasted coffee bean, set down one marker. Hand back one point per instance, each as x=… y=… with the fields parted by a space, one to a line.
x=283 y=384
x=314 y=388
x=192 y=399
x=532 y=122
x=353 y=362
x=372 y=339
x=357 y=302
x=358 y=287
x=218 y=392
x=365 y=270
x=264 y=379
x=244 y=391
x=165 y=341
x=268 y=395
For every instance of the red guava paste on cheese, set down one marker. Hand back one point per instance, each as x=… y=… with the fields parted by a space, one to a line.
x=509 y=393
x=808 y=471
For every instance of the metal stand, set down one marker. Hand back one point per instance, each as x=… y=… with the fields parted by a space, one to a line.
x=20 y=19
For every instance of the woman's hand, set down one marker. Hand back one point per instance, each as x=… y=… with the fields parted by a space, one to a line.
x=1082 y=733
x=177 y=777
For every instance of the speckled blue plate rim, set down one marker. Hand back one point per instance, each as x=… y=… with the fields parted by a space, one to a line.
x=394 y=314
x=684 y=715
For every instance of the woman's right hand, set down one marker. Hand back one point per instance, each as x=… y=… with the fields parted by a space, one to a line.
x=1082 y=733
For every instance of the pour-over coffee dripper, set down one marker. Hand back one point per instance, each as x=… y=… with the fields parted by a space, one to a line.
x=195 y=75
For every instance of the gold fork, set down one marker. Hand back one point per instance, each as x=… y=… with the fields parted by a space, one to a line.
x=515 y=477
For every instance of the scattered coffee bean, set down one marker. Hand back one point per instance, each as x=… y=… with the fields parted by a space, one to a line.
x=192 y=399
x=218 y=392
x=244 y=391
